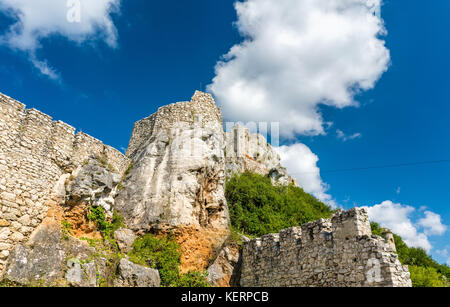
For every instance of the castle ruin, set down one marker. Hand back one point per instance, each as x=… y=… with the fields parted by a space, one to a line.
x=173 y=179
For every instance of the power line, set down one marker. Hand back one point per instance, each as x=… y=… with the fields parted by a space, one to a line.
x=380 y=167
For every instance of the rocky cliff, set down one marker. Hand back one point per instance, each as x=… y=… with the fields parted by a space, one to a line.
x=247 y=152
x=177 y=181
x=72 y=208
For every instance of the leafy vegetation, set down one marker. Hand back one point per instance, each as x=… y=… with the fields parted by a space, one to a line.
x=98 y=215
x=257 y=207
x=164 y=255
x=425 y=271
x=66 y=228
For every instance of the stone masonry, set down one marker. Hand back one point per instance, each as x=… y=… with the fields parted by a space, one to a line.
x=338 y=252
x=35 y=152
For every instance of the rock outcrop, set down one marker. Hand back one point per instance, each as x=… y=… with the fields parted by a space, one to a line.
x=177 y=180
x=225 y=270
x=42 y=261
x=247 y=152
x=133 y=275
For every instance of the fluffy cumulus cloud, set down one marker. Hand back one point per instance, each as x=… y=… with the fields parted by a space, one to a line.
x=301 y=163
x=298 y=54
x=76 y=20
x=432 y=224
x=397 y=217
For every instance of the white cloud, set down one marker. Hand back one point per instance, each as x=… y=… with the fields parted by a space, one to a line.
x=296 y=55
x=444 y=253
x=432 y=224
x=301 y=163
x=341 y=135
x=39 y=19
x=397 y=217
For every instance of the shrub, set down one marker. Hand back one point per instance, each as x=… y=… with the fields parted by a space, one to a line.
x=257 y=207
x=194 y=279
x=164 y=255
x=427 y=277
x=97 y=215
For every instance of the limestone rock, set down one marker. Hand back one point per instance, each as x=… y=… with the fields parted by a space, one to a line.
x=94 y=183
x=81 y=274
x=43 y=259
x=133 y=275
x=125 y=239
x=4 y=223
x=225 y=271
x=247 y=152
x=178 y=176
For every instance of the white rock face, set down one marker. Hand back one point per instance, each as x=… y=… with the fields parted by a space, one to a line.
x=133 y=275
x=251 y=153
x=178 y=177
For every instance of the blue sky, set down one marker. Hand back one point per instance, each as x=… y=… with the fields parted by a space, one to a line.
x=102 y=76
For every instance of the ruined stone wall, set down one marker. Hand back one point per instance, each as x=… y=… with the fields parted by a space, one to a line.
x=200 y=110
x=339 y=252
x=34 y=152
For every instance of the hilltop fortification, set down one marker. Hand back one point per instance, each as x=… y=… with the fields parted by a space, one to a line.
x=171 y=181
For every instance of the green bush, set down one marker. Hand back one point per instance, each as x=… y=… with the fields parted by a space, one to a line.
x=193 y=279
x=257 y=207
x=427 y=277
x=164 y=255
x=97 y=215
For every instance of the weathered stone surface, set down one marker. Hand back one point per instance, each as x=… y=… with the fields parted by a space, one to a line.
x=125 y=239
x=43 y=259
x=81 y=274
x=4 y=223
x=247 y=152
x=133 y=275
x=225 y=271
x=93 y=183
x=339 y=252
x=178 y=176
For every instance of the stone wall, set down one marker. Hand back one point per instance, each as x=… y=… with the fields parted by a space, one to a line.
x=338 y=252
x=200 y=110
x=35 y=152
